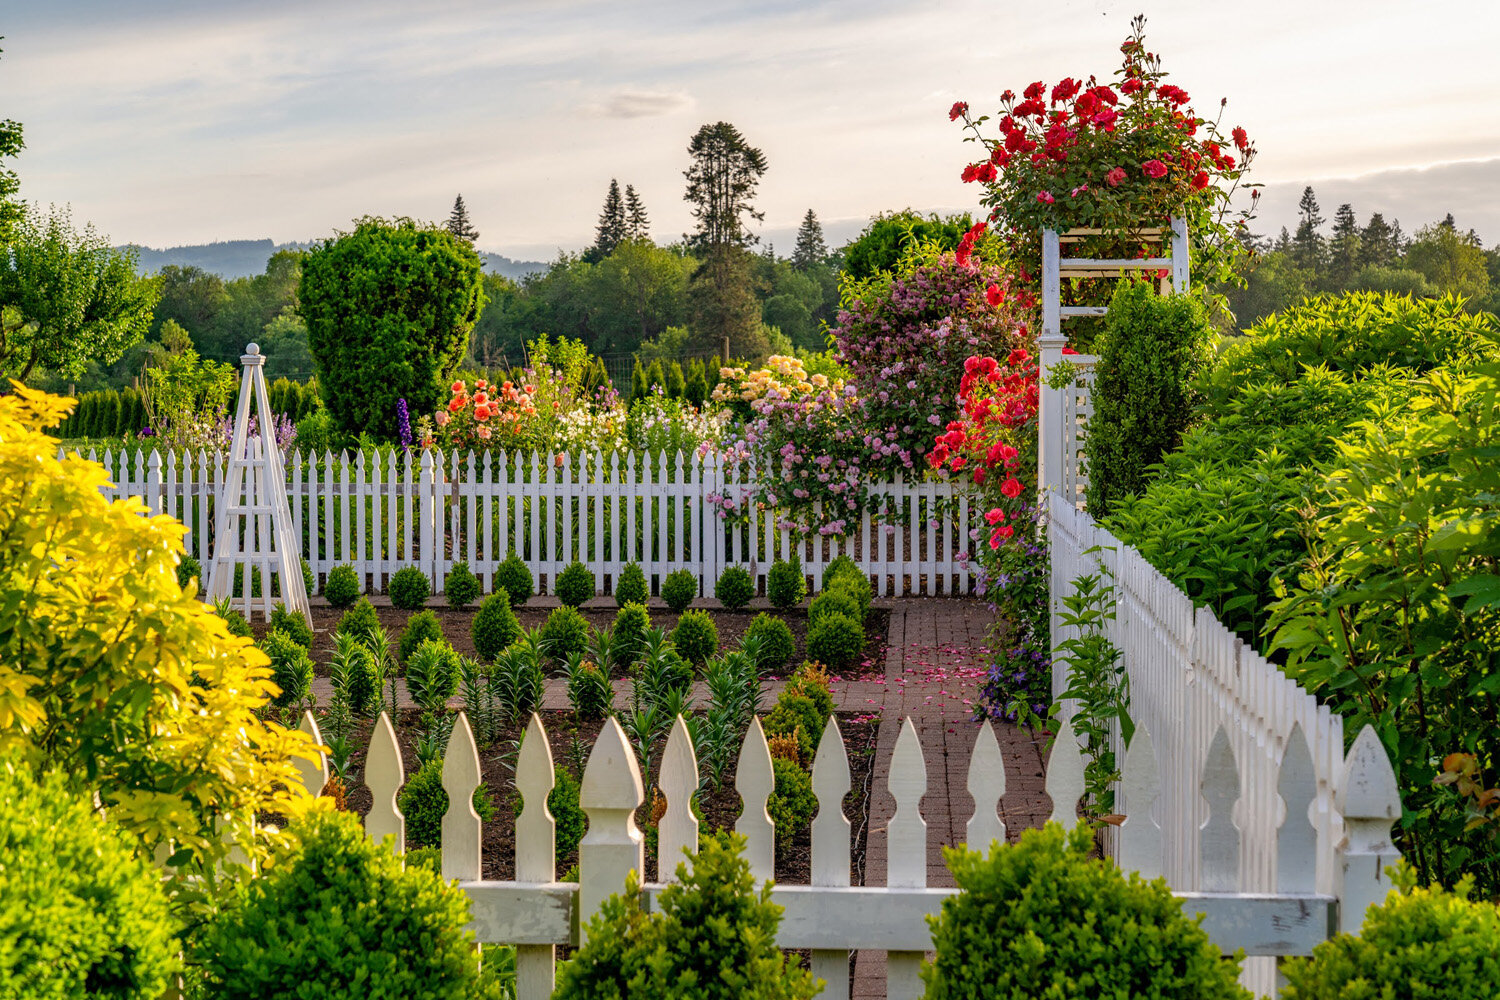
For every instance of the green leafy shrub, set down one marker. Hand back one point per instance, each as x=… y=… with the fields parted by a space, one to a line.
x=775 y=638
x=420 y=627
x=811 y=682
x=1150 y=350
x=293 y=623
x=564 y=633
x=427 y=858
x=785 y=584
x=514 y=576
x=81 y=915
x=189 y=569
x=292 y=932
x=846 y=577
x=495 y=626
x=679 y=589
x=409 y=589
x=840 y=566
x=233 y=620
x=792 y=803
x=835 y=640
x=1043 y=918
x=839 y=601
x=589 y=690
x=461 y=586
x=1352 y=333
x=360 y=621
x=432 y=674
x=575 y=584
x=1442 y=942
x=735 y=588
x=696 y=637
x=291 y=668
x=630 y=588
x=710 y=934
x=353 y=671
x=632 y=622
x=342 y=588
x=424 y=803
x=309 y=582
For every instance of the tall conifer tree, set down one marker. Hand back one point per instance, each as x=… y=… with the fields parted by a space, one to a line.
x=810 y=248
x=636 y=224
x=612 y=229
x=458 y=221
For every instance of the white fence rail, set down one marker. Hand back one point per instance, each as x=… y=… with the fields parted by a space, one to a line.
x=381 y=514
x=832 y=917
x=1201 y=693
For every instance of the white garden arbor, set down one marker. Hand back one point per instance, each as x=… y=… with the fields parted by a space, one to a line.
x=253 y=524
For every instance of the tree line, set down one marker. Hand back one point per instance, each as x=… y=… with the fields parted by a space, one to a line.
x=1438 y=259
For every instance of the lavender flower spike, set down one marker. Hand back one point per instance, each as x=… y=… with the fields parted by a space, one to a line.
x=403 y=419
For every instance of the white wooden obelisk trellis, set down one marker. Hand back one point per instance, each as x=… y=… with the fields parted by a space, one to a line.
x=253 y=527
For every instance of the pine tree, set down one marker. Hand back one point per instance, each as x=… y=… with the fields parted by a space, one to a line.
x=1343 y=249
x=655 y=378
x=721 y=183
x=1448 y=222
x=636 y=223
x=612 y=226
x=458 y=221
x=1376 y=247
x=638 y=387
x=676 y=384
x=1307 y=243
x=810 y=248
x=1283 y=242
x=695 y=387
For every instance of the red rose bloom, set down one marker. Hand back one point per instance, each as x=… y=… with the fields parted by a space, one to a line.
x=1241 y=139
x=1011 y=487
x=1154 y=169
x=993 y=295
x=1200 y=180
x=1045 y=197
x=1036 y=90
x=1115 y=176
x=958 y=110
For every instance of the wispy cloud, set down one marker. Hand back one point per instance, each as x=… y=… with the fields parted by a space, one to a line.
x=640 y=104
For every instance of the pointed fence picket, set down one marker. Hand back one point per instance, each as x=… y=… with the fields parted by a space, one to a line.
x=380 y=511
x=832 y=918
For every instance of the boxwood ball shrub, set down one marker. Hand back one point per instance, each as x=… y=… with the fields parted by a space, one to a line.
x=360 y=621
x=785 y=584
x=342 y=588
x=711 y=934
x=840 y=566
x=776 y=643
x=567 y=813
x=424 y=803
x=835 y=640
x=495 y=626
x=189 y=569
x=80 y=913
x=1442 y=940
x=735 y=588
x=340 y=916
x=461 y=586
x=420 y=627
x=575 y=584
x=564 y=633
x=696 y=637
x=1042 y=918
x=291 y=668
x=839 y=600
x=515 y=577
x=796 y=714
x=792 y=803
x=293 y=624
x=409 y=589
x=679 y=589
x=632 y=622
x=630 y=588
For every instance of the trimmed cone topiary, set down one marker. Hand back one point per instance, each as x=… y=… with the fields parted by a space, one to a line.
x=630 y=588
x=515 y=578
x=495 y=626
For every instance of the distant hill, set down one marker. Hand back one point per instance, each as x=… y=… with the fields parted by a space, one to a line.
x=247 y=258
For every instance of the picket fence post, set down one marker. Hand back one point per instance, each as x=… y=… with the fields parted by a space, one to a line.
x=1371 y=804
x=613 y=846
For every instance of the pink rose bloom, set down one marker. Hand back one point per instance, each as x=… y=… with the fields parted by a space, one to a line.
x=484 y=433
x=1045 y=197
x=1115 y=176
x=442 y=418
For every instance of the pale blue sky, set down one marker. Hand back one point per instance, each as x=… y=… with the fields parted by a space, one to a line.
x=168 y=122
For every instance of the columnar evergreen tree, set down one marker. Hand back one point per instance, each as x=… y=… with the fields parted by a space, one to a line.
x=613 y=228
x=810 y=249
x=1307 y=243
x=637 y=226
x=1344 y=248
x=721 y=184
x=458 y=221
x=1377 y=245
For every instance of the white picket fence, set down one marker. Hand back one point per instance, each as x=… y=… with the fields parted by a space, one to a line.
x=430 y=510
x=1209 y=701
x=830 y=916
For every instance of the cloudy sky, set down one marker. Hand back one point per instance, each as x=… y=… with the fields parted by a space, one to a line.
x=167 y=122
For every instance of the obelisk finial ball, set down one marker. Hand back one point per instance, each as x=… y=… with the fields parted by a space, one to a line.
x=252 y=349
